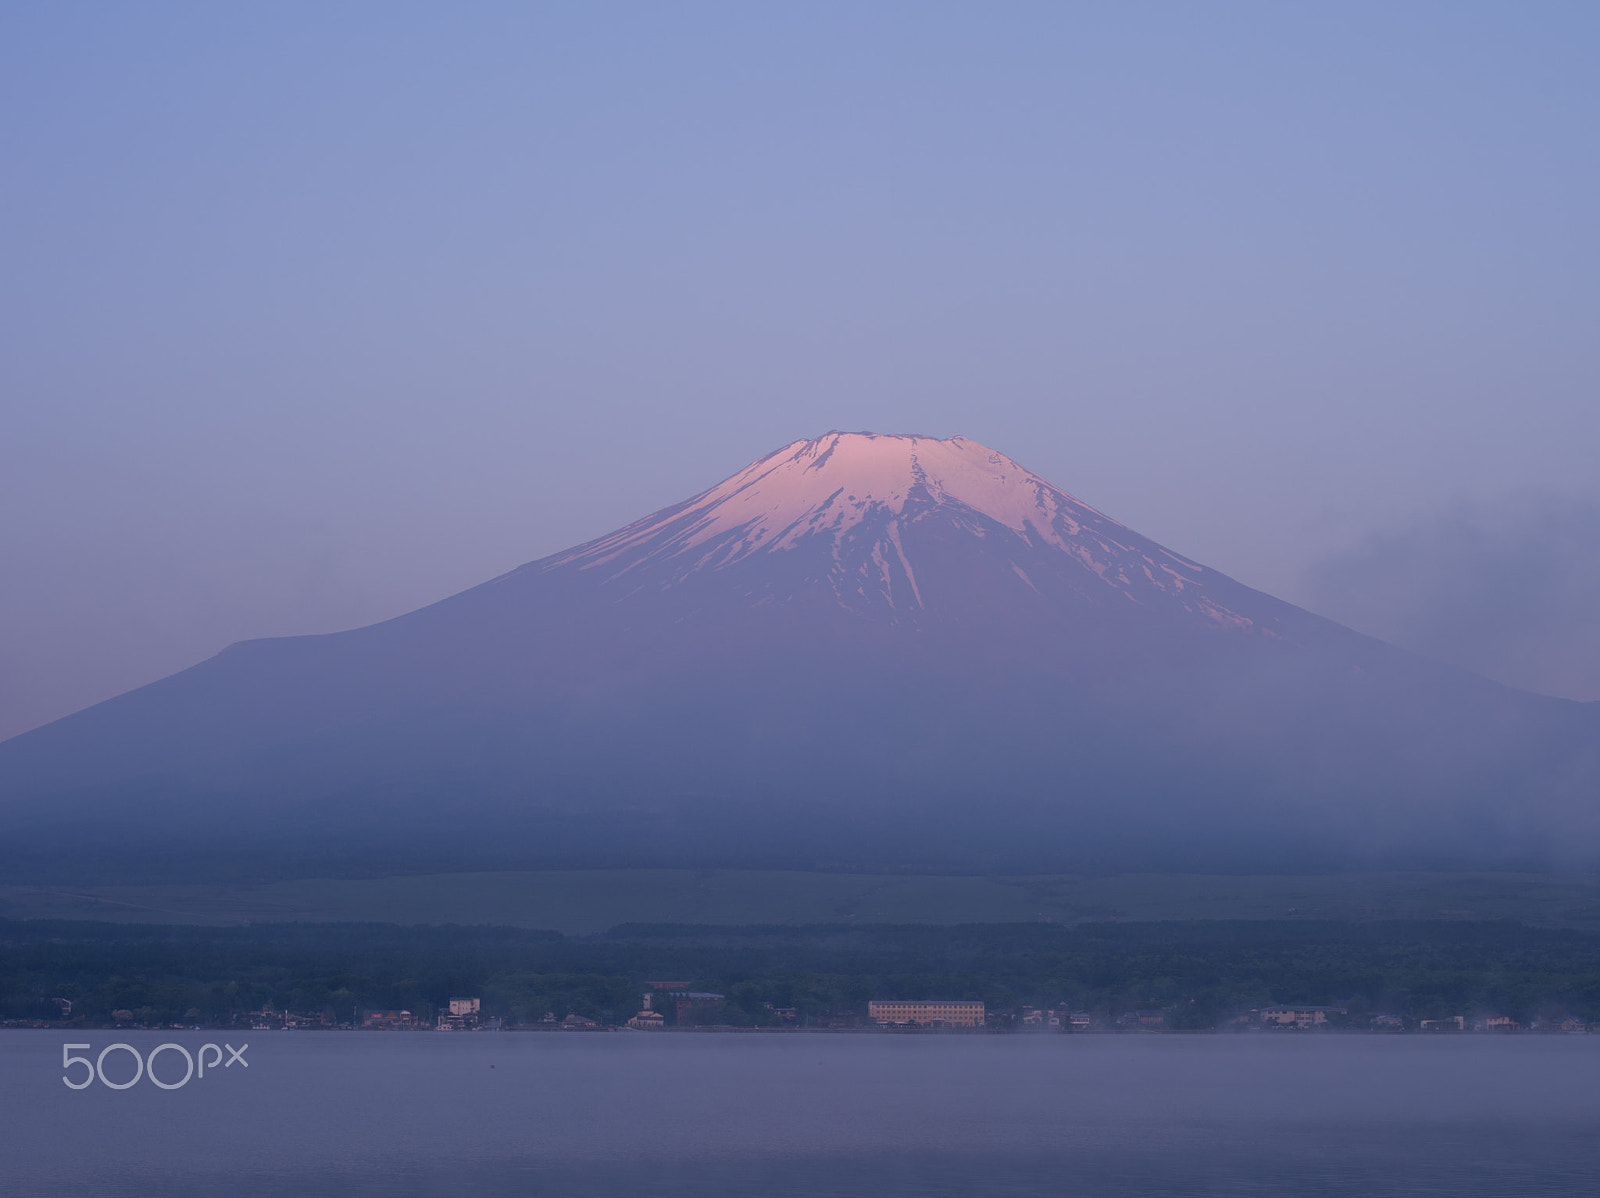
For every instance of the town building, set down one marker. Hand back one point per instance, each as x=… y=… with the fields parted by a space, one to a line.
x=647 y=1020
x=389 y=1020
x=925 y=1013
x=686 y=1003
x=1301 y=1016
x=1149 y=1020
x=1450 y=1023
x=460 y=1015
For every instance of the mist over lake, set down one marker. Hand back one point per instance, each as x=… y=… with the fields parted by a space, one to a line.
x=803 y=1114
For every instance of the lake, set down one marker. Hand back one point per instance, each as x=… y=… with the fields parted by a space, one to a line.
x=650 y=1114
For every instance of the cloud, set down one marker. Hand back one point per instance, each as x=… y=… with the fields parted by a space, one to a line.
x=1509 y=590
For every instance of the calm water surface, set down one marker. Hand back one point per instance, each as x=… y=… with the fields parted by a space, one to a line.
x=667 y=1114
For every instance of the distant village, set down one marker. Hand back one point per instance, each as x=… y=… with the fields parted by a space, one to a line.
x=674 y=1006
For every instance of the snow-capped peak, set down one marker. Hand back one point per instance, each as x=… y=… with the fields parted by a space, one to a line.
x=832 y=483
x=862 y=505
x=837 y=479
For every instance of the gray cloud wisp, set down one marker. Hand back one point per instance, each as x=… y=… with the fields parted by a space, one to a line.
x=1511 y=591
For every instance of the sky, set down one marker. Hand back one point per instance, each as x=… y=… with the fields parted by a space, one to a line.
x=312 y=314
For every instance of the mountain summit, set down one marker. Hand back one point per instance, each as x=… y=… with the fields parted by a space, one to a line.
x=858 y=651
x=867 y=515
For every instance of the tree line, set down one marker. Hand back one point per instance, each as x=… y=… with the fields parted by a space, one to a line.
x=1200 y=972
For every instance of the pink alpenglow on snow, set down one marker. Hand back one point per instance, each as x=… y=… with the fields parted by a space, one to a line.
x=873 y=503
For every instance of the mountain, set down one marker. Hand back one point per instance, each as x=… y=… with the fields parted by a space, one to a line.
x=860 y=650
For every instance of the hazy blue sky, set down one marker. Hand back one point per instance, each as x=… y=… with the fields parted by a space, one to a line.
x=312 y=314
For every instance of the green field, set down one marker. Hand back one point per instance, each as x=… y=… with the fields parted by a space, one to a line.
x=585 y=901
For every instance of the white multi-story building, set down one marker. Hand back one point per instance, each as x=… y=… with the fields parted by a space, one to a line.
x=926 y=1013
